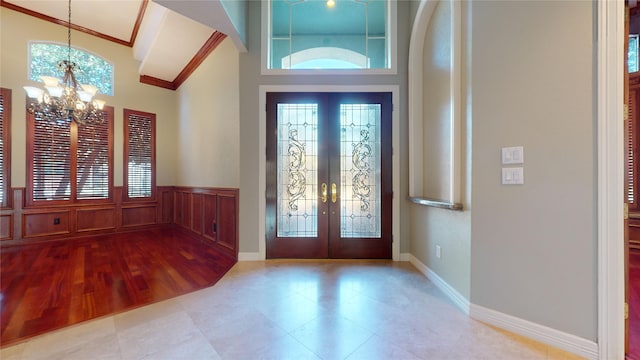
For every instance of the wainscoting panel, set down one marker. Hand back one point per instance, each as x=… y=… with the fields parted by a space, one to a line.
x=634 y=232
x=6 y=227
x=210 y=214
x=40 y=223
x=197 y=211
x=227 y=220
x=166 y=204
x=210 y=226
x=96 y=219
x=139 y=215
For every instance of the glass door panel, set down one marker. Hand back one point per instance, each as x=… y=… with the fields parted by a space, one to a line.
x=297 y=170
x=360 y=170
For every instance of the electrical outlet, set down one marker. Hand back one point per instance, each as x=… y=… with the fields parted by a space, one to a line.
x=438 y=252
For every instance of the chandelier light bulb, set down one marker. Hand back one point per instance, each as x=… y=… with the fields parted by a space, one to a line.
x=90 y=89
x=50 y=81
x=99 y=104
x=331 y=3
x=34 y=92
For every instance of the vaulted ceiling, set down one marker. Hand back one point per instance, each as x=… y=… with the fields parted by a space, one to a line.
x=168 y=44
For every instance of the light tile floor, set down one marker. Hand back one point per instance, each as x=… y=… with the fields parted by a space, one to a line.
x=293 y=310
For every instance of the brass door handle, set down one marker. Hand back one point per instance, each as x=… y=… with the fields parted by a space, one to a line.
x=324 y=192
x=334 y=193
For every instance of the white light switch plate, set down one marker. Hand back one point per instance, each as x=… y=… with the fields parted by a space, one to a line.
x=513 y=155
x=513 y=176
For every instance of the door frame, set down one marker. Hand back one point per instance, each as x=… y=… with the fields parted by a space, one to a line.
x=610 y=98
x=262 y=130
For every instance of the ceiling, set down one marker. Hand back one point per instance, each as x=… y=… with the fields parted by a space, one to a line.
x=168 y=45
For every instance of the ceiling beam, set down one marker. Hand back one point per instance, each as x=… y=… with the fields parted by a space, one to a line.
x=206 y=49
x=83 y=29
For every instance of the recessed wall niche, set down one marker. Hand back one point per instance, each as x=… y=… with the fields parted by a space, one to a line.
x=435 y=105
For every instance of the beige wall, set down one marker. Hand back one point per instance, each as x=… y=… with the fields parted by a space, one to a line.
x=431 y=227
x=529 y=250
x=533 y=246
x=250 y=82
x=16 y=32
x=436 y=104
x=208 y=122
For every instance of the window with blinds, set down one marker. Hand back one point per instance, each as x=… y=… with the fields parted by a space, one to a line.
x=51 y=159
x=630 y=149
x=67 y=162
x=139 y=153
x=5 y=156
x=93 y=161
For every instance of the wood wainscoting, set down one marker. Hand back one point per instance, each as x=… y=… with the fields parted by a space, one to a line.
x=208 y=213
x=211 y=214
x=634 y=232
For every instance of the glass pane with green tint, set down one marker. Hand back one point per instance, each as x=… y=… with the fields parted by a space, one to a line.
x=313 y=35
x=90 y=69
x=633 y=53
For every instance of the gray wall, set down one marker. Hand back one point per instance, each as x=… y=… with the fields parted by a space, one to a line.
x=533 y=246
x=431 y=227
x=251 y=79
x=530 y=250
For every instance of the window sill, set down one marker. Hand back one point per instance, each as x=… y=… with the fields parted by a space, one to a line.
x=436 y=203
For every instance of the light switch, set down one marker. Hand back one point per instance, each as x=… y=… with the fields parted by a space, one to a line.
x=513 y=176
x=513 y=155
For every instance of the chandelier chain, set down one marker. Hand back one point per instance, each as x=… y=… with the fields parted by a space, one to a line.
x=69 y=35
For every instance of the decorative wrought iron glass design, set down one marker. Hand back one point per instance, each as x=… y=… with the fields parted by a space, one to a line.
x=311 y=34
x=360 y=201
x=90 y=69
x=297 y=170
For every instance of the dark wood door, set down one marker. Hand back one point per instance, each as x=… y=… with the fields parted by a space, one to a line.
x=329 y=190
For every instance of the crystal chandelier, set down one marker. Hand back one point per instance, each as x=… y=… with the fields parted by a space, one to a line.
x=65 y=99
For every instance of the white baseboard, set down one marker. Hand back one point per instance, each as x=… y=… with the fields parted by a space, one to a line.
x=447 y=289
x=405 y=256
x=547 y=335
x=249 y=256
x=544 y=334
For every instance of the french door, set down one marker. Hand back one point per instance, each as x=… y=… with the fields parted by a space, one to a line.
x=329 y=171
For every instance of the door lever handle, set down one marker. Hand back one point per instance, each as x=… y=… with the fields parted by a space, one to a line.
x=324 y=192
x=334 y=193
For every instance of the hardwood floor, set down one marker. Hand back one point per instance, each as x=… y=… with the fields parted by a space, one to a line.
x=53 y=285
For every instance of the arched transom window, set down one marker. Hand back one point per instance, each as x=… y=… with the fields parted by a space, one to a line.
x=91 y=69
x=329 y=34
